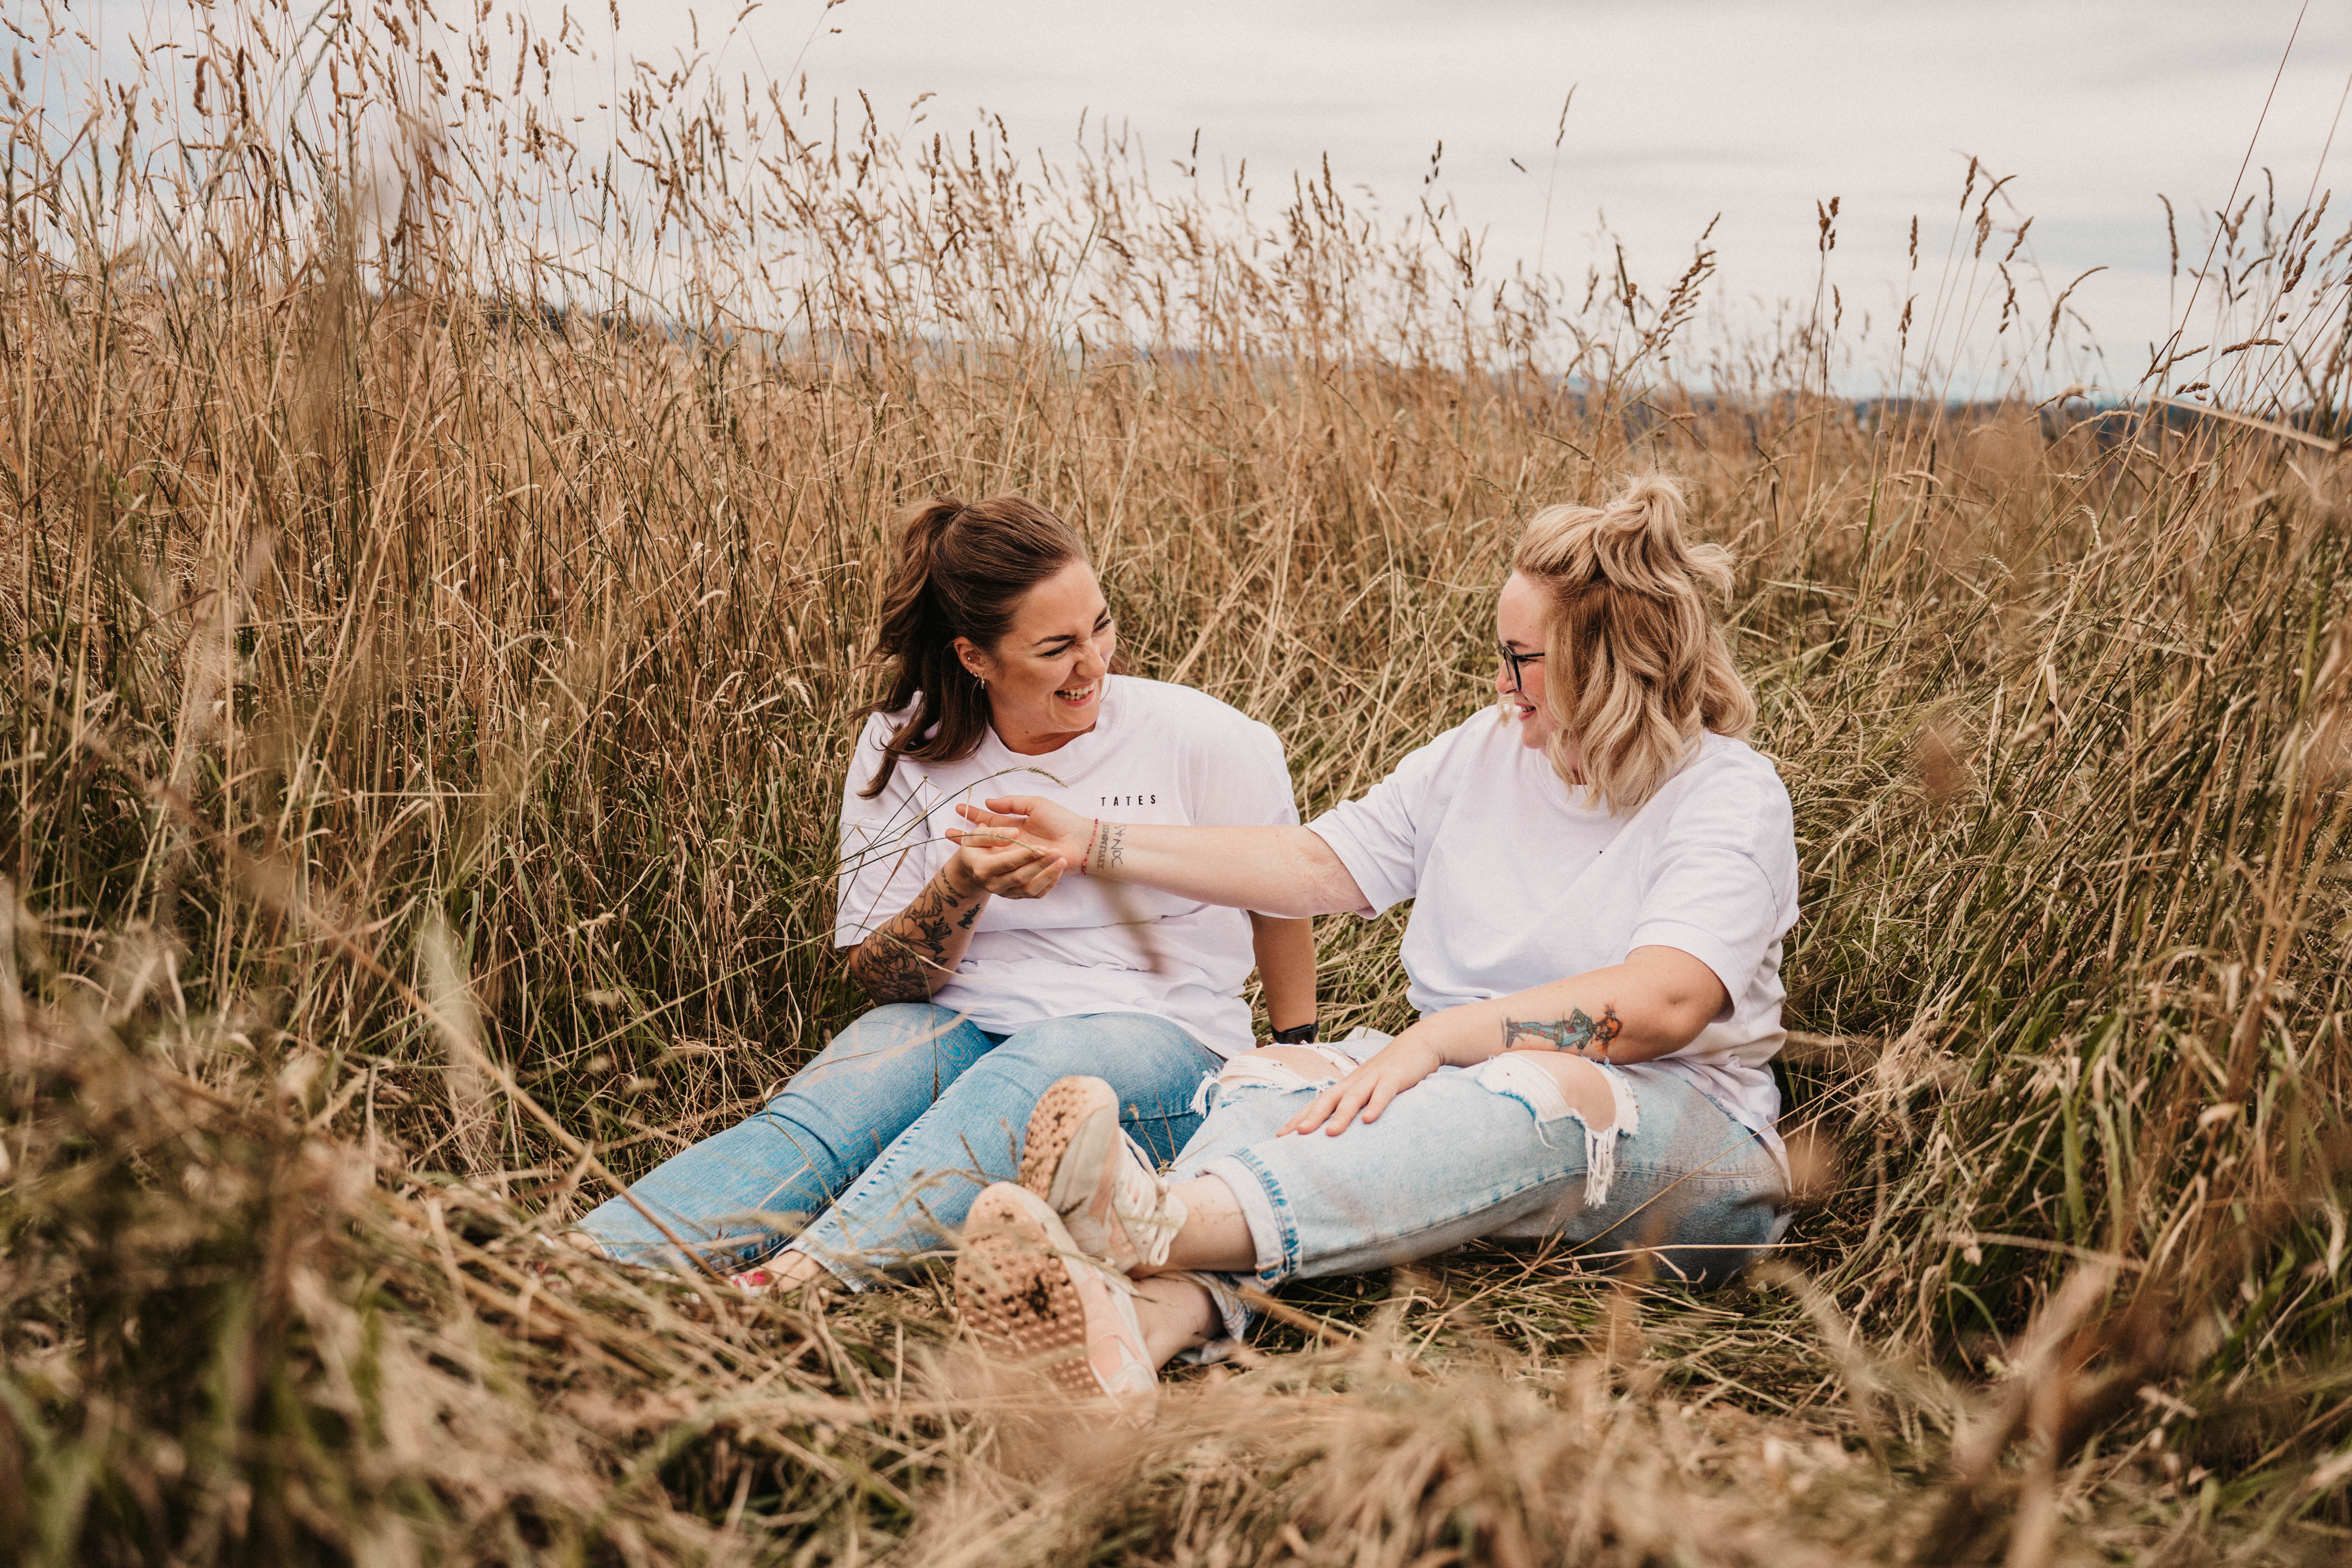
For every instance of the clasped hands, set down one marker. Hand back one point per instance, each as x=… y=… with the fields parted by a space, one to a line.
x=1019 y=846
x=1029 y=841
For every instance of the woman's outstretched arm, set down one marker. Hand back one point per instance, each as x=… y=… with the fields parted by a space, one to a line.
x=1274 y=870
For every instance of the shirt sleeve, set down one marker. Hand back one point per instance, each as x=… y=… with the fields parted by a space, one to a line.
x=887 y=851
x=1723 y=886
x=1383 y=836
x=1244 y=782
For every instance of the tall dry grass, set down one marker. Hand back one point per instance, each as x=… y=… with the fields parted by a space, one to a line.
x=428 y=680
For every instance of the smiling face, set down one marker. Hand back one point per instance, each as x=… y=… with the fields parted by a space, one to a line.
x=1045 y=675
x=1519 y=620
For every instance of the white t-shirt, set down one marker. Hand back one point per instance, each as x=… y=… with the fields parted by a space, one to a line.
x=1516 y=883
x=1159 y=753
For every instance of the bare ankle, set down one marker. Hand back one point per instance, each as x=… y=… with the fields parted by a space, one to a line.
x=792 y=1270
x=1175 y=1314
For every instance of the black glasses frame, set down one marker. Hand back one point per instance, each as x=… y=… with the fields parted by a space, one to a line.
x=1519 y=663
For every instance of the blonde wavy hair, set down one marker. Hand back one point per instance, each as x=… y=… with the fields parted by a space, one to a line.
x=1635 y=665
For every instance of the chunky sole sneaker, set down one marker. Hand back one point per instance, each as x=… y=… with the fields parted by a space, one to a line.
x=1028 y=1295
x=1082 y=1162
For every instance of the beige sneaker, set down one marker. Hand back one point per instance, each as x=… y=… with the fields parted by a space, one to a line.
x=1025 y=1292
x=1082 y=1162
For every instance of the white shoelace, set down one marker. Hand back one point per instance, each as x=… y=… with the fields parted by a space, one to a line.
x=1144 y=1208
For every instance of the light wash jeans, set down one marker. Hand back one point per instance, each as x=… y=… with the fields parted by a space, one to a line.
x=890 y=1131
x=1489 y=1151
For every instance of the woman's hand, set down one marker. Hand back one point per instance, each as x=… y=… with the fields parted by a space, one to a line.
x=995 y=863
x=910 y=955
x=1029 y=820
x=1397 y=1067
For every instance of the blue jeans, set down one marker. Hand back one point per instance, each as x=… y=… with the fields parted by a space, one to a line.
x=1491 y=1152
x=879 y=1144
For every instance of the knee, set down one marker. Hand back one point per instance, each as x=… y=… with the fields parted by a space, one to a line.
x=893 y=1022
x=1584 y=1085
x=1034 y=1058
x=1282 y=1067
x=1302 y=1062
x=871 y=1041
x=1113 y=1046
x=1556 y=1085
x=1064 y=1045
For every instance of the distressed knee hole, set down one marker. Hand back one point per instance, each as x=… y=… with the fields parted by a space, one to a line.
x=1286 y=1067
x=1279 y=1069
x=1556 y=1088
x=1553 y=1086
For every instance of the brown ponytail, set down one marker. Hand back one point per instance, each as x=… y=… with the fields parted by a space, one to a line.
x=962 y=572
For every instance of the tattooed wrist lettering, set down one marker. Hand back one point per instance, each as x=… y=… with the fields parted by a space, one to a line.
x=1579 y=1033
x=1108 y=851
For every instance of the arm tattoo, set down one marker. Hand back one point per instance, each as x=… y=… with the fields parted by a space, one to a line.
x=1576 y=1032
x=905 y=957
x=1110 y=849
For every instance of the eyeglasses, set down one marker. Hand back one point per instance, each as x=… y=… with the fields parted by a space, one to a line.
x=1519 y=663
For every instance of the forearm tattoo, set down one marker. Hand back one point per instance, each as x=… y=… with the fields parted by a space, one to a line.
x=1109 y=850
x=905 y=957
x=1577 y=1032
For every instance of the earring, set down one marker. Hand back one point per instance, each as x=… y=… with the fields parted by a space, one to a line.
x=983 y=681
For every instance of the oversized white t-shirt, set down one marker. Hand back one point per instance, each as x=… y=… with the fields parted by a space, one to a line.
x=1159 y=753
x=1515 y=883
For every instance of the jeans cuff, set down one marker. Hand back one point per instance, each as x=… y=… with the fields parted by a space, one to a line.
x=1272 y=1237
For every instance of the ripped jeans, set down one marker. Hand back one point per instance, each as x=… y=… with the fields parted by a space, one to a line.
x=1490 y=1152
x=879 y=1144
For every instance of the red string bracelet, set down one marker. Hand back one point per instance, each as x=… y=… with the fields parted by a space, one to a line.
x=1087 y=859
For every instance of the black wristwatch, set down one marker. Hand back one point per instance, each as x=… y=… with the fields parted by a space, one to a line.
x=1302 y=1036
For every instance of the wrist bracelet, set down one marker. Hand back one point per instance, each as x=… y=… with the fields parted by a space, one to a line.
x=1304 y=1035
x=1087 y=859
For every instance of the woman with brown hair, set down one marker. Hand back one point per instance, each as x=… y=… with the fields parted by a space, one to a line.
x=994 y=975
x=1601 y=874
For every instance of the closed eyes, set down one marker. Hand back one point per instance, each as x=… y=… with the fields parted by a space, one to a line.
x=1060 y=645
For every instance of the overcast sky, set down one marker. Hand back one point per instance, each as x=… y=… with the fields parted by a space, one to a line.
x=1684 y=109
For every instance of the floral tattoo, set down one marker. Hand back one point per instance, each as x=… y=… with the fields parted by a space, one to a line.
x=1578 y=1032
x=903 y=960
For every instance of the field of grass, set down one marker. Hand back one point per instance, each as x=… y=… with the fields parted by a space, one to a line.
x=424 y=683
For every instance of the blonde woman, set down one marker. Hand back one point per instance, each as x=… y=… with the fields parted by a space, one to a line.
x=1600 y=880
